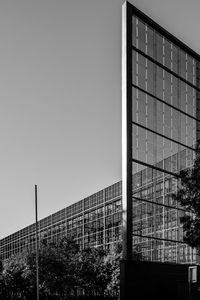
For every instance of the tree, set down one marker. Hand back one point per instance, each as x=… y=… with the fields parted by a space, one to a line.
x=188 y=195
x=15 y=281
x=64 y=271
x=95 y=271
x=114 y=256
x=56 y=267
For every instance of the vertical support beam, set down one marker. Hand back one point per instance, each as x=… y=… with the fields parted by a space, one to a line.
x=83 y=225
x=36 y=243
x=127 y=130
x=197 y=73
x=104 y=218
x=51 y=229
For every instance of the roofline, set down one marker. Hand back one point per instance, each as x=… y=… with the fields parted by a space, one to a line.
x=162 y=31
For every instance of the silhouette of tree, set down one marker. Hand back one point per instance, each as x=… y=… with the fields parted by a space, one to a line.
x=14 y=276
x=188 y=195
x=94 y=271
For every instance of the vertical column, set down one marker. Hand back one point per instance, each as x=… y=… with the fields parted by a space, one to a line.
x=153 y=232
x=104 y=217
x=83 y=224
x=198 y=101
x=127 y=130
x=178 y=156
x=197 y=74
x=36 y=238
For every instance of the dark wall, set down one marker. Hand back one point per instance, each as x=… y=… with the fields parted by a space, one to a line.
x=157 y=281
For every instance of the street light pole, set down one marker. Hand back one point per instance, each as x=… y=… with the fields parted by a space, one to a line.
x=36 y=242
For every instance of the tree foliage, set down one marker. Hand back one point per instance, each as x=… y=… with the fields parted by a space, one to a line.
x=188 y=195
x=94 y=270
x=114 y=256
x=56 y=267
x=14 y=276
x=64 y=270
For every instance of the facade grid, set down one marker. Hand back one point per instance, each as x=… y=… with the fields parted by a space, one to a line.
x=162 y=89
x=91 y=222
x=96 y=221
x=161 y=122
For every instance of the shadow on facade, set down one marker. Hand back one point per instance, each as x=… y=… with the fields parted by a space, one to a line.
x=141 y=280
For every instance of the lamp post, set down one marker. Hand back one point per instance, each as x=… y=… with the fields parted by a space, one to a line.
x=36 y=243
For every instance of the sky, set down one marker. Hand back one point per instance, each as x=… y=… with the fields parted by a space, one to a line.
x=60 y=98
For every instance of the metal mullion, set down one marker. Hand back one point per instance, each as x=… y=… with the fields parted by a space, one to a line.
x=164 y=67
x=127 y=130
x=168 y=206
x=162 y=101
x=138 y=13
x=163 y=136
x=154 y=167
x=159 y=239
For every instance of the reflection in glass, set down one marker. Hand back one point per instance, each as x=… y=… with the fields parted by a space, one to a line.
x=164 y=51
x=164 y=133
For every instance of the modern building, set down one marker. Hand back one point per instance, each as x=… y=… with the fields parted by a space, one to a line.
x=96 y=221
x=93 y=221
x=160 y=128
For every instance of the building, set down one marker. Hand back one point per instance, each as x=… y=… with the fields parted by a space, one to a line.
x=161 y=123
x=157 y=232
x=93 y=221
x=96 y=221
x=160 y=127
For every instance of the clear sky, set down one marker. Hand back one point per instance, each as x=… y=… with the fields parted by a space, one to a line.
x=60 y=98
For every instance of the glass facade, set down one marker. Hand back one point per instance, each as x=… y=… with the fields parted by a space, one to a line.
x=161 y=83
x=93 y=221
x=163 y=88
x=96 y=221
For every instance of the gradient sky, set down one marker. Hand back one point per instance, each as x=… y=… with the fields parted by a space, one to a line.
x=60 y=98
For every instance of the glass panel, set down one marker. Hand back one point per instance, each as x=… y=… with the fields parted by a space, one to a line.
x=165 y=52
x=190 y=70
x=174 y=59
x=163 y=85
x=159 y=83
x=161 y=118
x=134 y=31
x=141 y=36
x=150 y=38
x=175 y=98
x=156 y=216
x=141 y=71
x=183 y=64
x=190 y=100
x=151 y=148
x=157 y=234
x=183 y=96
x=167 y=87
x=159 y=48
x=150 y=76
